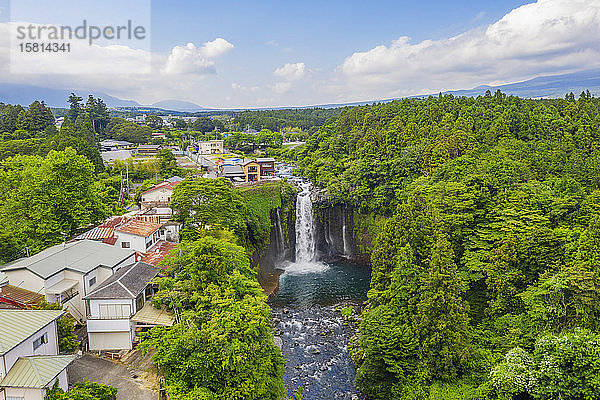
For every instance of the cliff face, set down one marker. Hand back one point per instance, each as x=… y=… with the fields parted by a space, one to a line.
x=342 y=232
x=281 y=245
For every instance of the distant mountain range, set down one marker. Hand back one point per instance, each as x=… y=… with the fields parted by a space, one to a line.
x=542 y=87
x=178 y=105
x=26 y=94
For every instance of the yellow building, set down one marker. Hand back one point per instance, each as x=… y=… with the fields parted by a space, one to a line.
x=252 y=171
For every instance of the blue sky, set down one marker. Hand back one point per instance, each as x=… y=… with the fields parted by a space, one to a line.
x=279 y=53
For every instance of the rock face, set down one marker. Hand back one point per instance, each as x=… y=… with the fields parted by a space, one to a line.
x=280 y=248
x=337 y=233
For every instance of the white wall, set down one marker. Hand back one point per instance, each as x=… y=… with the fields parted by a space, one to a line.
x=108 y=325
x=128 y=261
x=25 y=348
x=63 y=382
x=99 y=341
x=86 y=281
x=27 y=394
x=54 y=279
x=162 y=195
x=26 y=279
x=172 y=232
x=94 y=305
x=137 y=243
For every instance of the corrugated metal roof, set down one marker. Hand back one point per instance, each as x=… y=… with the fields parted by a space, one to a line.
x=25 y=298
x=157 y=252
x=233 y=171
x=82 y=256
x=97 y=233
x=113 y=222
x=18 y=325
x=35 y=371
x=153 y=316
x=139 y=228
x=162 y=185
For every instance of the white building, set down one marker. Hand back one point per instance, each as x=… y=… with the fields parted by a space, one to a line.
x=113 y=308
x=211 y=147
x=159 y=195
x=139 y=235
x=29 y=360
x=65 y=273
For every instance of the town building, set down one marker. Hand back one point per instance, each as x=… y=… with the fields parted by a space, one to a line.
x=267 y=166
x=251 y=171
x=65 y=273
x=16 y=298
x=233 y=172
x=113 y=323
x=139 y=235
x=159 y=195
x=29 y=360
x=112 y=144
x=148 y=150
x=210 y=147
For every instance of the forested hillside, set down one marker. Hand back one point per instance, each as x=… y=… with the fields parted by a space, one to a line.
x=307 y=119
x=485 y=277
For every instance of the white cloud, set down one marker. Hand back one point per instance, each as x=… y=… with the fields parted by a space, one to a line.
x=550 y=36
x=241 y=88
x=282 y=87
x=292 y=72
x=190 y=59
x=216 y=48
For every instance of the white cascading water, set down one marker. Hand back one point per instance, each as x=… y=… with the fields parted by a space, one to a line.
x=306 y=254
x=305 y=240
x=345 y=235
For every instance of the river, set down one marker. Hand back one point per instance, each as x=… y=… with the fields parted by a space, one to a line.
x=307 y=317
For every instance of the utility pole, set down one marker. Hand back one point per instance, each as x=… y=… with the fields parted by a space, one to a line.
x=121 y=191
x=127 y=177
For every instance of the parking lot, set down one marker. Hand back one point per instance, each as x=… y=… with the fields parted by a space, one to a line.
x=112 y=373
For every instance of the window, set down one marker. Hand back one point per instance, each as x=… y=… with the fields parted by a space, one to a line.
x=15 y=398
x=40 y=341
x=125 y=245
x=139 y=303
x=92 y=281
x=114 y=311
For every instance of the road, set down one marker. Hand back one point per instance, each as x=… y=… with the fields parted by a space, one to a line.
x=112 y=373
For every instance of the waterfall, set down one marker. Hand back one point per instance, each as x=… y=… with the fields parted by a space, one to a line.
x=280 y=240
x=305 y=230
x=345 y=235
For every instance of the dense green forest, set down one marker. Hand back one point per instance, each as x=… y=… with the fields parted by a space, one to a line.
x=307 y=119
x=485 y=276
